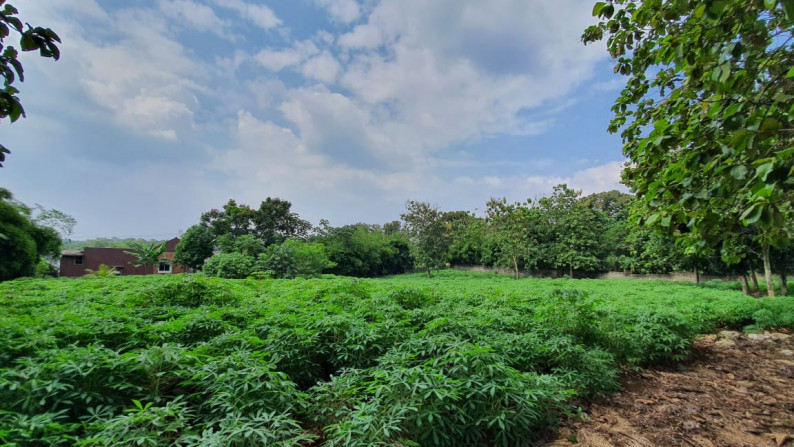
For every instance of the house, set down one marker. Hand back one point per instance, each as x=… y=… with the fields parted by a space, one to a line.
x=75 y=263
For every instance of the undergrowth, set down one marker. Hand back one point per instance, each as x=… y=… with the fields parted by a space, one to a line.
x=456 y=360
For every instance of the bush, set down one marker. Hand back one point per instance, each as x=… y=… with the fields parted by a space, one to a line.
x=229 y=265
x=188 y=291
x=410 y=299
x=294 y=258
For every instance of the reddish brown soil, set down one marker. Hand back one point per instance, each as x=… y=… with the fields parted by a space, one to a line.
x=738 y=390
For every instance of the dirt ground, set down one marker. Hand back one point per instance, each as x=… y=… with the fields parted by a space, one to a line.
x=738 y=390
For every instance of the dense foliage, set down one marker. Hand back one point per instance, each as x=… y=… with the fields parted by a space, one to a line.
x=365 y=250
x=706 y=118
x=457 y=359
x=23 y=241
x=194 y=247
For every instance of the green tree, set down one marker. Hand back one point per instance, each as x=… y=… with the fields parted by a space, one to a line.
x=514 y=229
x=104 y=271
x=146 y=255
x=576 y=230
x=229 y=265
x=194 y=247
x=23 y=242
x=272 y=222
x=30 y=39
x=707 y=114
x=246 y=244
x=294 y=258
x=469 y=244
x=429 y=233
x=365 y=250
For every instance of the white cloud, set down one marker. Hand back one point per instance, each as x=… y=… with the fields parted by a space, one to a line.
x=323 y=68
x=344 y=11
x=189 y=13
x=145 y=77
x=604 y=177
x=277 y=60
x=259 y=15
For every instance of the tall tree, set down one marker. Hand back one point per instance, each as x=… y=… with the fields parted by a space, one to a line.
x=707 y=114
x=469 y=244
x=146 y=255
x=576 y=230
x=194 y=247
x=429 y=234
x=514 y=228
x=30 y=39
x=23 y=242
x=272 y=222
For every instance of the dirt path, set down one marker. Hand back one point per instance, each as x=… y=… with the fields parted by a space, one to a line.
x=737 y=391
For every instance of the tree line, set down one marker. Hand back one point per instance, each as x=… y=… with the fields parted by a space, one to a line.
x=562 y=234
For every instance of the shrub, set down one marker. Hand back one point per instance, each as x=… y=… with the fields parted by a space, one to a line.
x=229 y=265
x=187 y=291
x=294 y=258
x=409 y=298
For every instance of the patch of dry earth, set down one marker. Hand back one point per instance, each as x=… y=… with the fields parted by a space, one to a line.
x=738 y=391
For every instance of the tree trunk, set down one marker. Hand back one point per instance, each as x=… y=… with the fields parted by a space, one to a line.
x=755 y=280
x=428 y=272
x=515 y=265
x=697 y=276
x=570 y=269
x=745 y=285
x=770 y=286
x=783 y=283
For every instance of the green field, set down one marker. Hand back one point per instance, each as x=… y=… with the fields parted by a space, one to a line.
x=458 y=359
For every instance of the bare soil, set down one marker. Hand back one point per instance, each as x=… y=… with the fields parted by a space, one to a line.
x=736 y=391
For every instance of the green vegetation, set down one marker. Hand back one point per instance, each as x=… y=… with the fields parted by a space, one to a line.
x=706 y=119
x=24 y=243
x=104 y=242
x=38 y=39
x=457 y=359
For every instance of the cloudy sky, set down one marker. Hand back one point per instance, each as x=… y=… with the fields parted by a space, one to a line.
x=161 y=109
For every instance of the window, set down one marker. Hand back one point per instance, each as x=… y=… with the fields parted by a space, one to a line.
x=163 y=267
x=78 y=260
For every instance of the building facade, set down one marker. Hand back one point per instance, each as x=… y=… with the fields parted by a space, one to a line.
x=75 y=263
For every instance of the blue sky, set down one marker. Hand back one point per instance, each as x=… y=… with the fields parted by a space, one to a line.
x=162 y=109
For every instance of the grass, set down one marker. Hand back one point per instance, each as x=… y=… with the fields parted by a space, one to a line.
x=457 y=359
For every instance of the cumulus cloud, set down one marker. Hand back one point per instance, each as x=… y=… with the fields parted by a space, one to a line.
x=343 y=11
x=195 y=15
x=323 y=67
x=395 y=100
x=604 y=177
x=277 y=60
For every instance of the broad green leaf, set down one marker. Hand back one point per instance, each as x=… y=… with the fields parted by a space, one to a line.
x=770 y=4
x=597 y=8
x=652 y=219
x=733 y=109
x=739 y=172
x=790 y=73
x=785 y=154
x=751 y=215
x=763 y=171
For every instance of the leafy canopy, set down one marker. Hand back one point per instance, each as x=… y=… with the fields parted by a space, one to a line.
x=30 y=39
x=706 y=114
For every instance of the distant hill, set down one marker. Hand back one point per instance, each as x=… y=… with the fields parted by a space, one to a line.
x=106 y=243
